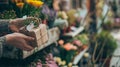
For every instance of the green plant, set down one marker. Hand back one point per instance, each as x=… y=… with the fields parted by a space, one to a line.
x=107 y=24
x=106 y=39
x=10 y=14
x=104 y=46
x=83 y=38
x=34 y=20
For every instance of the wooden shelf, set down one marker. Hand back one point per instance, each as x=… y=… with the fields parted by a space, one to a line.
x=79 y=56
x=53 y=37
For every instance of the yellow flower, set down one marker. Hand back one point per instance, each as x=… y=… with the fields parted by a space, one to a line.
x=29 y=1
x=63 y=63
x=35 y=3
x=20 y=5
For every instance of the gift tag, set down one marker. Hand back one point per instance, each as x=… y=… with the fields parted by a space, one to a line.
x=24 y=17
x=30 y=26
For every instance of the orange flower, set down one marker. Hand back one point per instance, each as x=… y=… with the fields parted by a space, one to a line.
x=68 y=46
x=20 y=5
x=61 y=42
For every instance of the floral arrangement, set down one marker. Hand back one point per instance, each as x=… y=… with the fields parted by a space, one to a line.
x=26 y=7
x=70 y=48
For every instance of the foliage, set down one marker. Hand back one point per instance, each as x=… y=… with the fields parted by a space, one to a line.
x=108 y=22
x=103 y=45
x=106 y=40
x=10 y=14
x=83 y=38
x=107 y=25
x=67 y=55
x=34 y=20
x=43 y=16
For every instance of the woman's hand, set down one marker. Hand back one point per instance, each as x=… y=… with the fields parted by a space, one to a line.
x=16 y=24
x=19 y=40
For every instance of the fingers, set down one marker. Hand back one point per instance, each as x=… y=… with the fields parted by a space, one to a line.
x=28 y=38
x=19 y=40
x=27 y=47
x=14 y=28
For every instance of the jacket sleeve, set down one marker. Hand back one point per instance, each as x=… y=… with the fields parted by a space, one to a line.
x=4 y=25
x=2 y=42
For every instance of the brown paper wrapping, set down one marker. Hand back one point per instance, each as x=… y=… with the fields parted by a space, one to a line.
x=39 y=33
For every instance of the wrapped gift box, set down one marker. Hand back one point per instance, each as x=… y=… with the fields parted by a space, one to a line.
x=39 y=33
x=33 y=33
x=43 y=29
x=43 y=33
x=45 y=38
x=52 y=36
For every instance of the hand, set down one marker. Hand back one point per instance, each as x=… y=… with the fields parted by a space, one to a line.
x=19 y=40
x=16 y=24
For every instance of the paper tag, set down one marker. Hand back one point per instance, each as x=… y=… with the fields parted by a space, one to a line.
x=24 y=17
x=30 y=26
